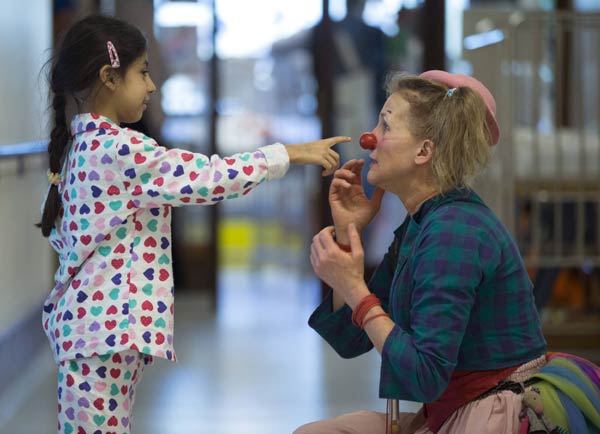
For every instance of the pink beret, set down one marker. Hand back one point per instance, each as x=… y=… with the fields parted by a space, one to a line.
x=460 y=80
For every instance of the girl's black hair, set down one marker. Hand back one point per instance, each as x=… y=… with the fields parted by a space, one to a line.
x=75 y=68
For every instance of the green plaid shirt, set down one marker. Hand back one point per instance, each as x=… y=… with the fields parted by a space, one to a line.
x=454 y=283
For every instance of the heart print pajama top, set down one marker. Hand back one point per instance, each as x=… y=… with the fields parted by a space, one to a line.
x=114 y=285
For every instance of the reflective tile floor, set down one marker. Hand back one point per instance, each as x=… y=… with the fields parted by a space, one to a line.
x=253 y=367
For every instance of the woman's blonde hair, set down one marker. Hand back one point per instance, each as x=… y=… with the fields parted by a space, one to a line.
x=454 y=121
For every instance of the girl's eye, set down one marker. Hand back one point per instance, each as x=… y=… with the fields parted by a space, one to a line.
x=145 y=72
x=385 y=126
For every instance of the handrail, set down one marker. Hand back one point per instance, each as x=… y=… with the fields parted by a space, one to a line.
x=22 y=149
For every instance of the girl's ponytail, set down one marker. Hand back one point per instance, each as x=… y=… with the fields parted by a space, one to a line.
x=59 y=139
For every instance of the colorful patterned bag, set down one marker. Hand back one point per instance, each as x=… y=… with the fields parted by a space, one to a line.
x=565 y=398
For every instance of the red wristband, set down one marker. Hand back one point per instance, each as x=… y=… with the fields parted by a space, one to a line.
x=367 y=303
x=378 y=315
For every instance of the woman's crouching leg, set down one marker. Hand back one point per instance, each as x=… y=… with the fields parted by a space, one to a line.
x=360 y=422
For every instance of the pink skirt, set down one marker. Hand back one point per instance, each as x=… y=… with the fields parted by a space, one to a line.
x=498 y=414
x=495 y=414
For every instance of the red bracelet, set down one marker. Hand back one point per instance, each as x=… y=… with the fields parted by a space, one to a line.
x=364 y=324
x=367 y=303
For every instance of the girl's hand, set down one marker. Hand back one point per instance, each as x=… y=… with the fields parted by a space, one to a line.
x=348 y=201
x=317 y=152
x=342 y=271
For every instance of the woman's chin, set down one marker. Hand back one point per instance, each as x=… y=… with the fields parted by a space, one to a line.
x=371 y=177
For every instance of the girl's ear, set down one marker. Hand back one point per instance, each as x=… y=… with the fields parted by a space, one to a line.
x=108 y=77
x=425 y=152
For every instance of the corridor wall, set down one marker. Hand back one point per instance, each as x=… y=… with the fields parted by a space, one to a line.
x=26 y=260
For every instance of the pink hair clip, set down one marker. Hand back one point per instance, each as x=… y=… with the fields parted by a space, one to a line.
x=112 y=53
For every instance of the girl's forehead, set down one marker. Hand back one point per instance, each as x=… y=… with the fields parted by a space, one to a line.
x=142 y=60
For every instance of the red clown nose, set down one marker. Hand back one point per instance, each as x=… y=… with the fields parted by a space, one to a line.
x=367 y=141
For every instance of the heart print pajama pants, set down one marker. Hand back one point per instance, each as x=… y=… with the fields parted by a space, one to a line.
x=96 y=394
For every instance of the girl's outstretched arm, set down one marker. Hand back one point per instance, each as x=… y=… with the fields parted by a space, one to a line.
x=157 y=176
x=318 y=152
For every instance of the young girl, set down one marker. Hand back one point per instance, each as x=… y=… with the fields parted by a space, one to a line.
x=107 y=214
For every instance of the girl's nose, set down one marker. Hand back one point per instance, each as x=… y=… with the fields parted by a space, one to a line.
x=367 y=141
x=152 y=87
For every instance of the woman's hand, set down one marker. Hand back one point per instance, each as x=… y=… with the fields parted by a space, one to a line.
x=317 y=152
x=343 y=271
x=348 y=201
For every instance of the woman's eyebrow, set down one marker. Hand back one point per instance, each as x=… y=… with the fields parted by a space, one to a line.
x=384 y=113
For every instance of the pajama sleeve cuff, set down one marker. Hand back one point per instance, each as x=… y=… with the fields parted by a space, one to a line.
x=278 y=160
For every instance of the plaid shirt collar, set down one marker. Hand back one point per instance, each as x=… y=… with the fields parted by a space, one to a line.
x=456 y=194
x=405 y=233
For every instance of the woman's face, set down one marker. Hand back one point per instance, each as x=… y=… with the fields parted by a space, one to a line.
x=394 y=155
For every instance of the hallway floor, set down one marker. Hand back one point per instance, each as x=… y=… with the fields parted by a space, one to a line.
x=253 y=368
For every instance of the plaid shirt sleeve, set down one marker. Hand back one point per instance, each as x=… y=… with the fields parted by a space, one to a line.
x=336 y=327
x=440 y=282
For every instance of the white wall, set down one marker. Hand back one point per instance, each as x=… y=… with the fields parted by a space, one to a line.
x=26 y=260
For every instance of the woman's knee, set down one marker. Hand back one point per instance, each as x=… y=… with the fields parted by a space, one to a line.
x=360 y=422
x=309 y=428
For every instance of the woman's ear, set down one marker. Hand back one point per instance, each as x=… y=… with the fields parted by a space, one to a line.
x=425 y=152
x=108 y=77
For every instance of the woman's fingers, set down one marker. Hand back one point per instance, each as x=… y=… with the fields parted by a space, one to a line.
x=314 y=255
x=357 y=168
x=355 y=243
x=345 y=174
x=354 y=167
x=351 y=164
x=340 y=183
x=319 y=245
